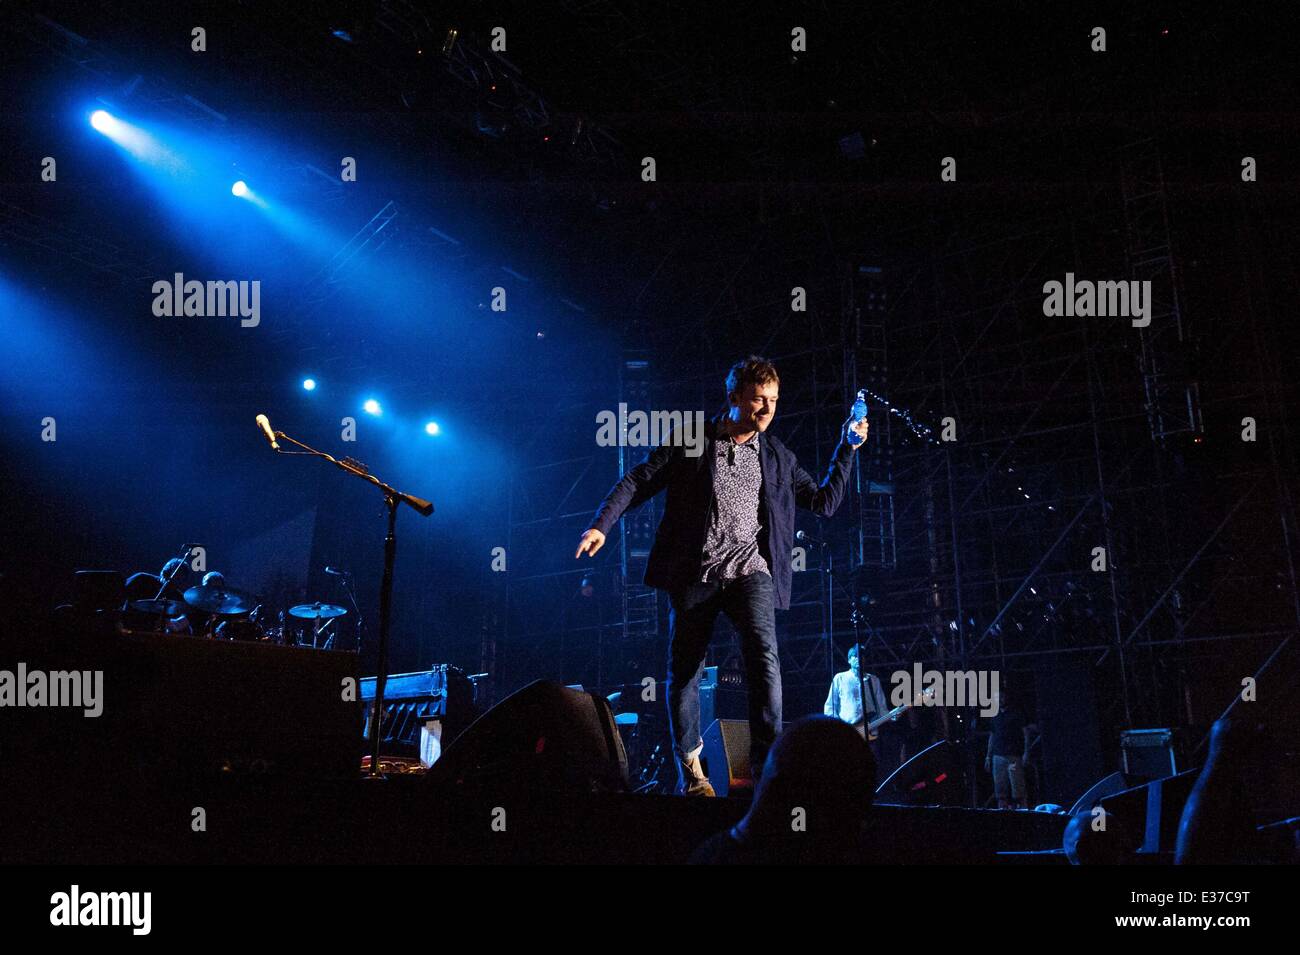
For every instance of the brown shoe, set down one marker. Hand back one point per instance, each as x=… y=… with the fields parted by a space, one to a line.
x=693 y=781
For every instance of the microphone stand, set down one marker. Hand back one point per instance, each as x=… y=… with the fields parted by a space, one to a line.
x=829 y=556
x=349 y=588
x=828 y=574
x=855 y=617
x=166 y=582
x=392 y=497
x=185 y=552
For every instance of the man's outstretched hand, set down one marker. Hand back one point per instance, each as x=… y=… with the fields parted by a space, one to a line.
x=592 y=541
x=859 y=429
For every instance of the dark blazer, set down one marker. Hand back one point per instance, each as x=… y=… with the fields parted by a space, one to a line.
x=677 y=556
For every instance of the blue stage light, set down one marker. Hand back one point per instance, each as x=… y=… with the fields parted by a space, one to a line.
x=136 y=141
x=240 y=188
x=372 y=407
x=431 y=428
x=309 y=384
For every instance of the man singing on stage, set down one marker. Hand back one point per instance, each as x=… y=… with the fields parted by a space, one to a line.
x=725 y=545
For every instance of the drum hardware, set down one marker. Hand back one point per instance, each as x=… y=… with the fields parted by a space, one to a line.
x=219 y=601
x=168 y=616
x=234 y=615
x=158 y=608
x=348 y=583
x=239 y=628
x=318 y=612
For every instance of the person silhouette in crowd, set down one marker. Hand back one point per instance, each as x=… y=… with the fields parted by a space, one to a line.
x=810 y=804
x=1218 y=826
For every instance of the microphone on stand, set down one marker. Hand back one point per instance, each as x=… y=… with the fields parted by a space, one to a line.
x=265 y=425
x=335 y=572
x=805 y=536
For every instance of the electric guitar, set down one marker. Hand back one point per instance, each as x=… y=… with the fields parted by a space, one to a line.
x=896 y=712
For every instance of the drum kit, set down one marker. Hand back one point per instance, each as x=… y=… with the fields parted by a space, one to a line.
x=235 y=615
x=322 y=616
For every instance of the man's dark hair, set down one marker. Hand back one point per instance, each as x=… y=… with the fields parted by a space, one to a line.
x=753 y=370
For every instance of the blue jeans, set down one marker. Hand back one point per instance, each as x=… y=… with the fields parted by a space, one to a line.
x=748 y=603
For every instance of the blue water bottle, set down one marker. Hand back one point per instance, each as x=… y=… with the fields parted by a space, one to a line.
x=859 y=413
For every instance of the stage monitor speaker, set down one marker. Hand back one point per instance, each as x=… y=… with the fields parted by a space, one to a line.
x=726 y=757
x=544 y=738
x=932 y=777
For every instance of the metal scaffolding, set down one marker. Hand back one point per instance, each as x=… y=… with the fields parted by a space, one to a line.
x=1077 y=443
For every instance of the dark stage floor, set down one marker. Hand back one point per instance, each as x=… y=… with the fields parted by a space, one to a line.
x=405 y=819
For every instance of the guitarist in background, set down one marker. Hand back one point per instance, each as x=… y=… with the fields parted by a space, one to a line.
x=845 y=699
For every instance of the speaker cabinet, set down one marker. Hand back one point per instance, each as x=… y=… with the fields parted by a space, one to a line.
x=1148 y=754
x=726 y=756
x=543 y=738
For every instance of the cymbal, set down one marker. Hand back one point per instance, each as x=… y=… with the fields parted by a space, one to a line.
x=161 y=608
x=314 y=611
x=219 y=600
